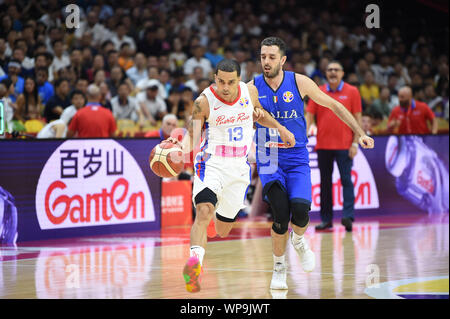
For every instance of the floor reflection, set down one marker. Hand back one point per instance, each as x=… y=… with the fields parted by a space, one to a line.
x=348 y=265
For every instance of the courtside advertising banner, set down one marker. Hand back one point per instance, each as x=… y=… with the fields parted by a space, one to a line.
x=69 y=188
x=79 y=187
x=402 y=174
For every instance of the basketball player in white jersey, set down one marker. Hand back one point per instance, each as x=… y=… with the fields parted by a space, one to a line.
x=226 y=111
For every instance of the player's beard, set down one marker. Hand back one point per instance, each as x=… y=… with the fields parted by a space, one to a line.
x=273 y=72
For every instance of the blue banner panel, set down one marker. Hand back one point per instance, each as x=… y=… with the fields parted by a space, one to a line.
x=77 y=187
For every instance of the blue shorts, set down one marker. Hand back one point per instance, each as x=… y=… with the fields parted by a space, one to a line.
x=290 y=170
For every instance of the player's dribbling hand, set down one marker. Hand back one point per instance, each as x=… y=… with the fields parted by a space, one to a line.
x=366 y=141
x=287 y=137
x=175 y=141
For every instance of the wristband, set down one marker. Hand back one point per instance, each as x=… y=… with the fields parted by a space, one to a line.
x=355 y=145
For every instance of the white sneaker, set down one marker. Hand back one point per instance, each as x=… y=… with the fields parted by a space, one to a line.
x=279 y=276
x=307 y=256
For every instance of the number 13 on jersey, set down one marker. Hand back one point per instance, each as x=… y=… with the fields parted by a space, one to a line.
x=235 y=133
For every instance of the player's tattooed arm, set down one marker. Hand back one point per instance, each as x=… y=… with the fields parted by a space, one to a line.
x=200 y=112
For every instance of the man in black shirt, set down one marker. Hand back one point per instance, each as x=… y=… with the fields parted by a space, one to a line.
x=58 y=102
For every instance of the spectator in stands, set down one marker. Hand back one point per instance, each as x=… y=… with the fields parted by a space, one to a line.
x=164 y=78
x=198 y=60
x=173 y=101
x=29 y=106
x=352 y=79
x=152 y=106
x=91 y=25
x=93 y=120
x=418 y=92
x=369 y=89
x=153 y=75
x=76 y=63
x=60 y=59
x=411 y=116
x=203 y=84
x=112 y=59
x=58 y=102
x=177 y=57
x=186 y=105
x=382 y=70
x=19 y=55
x=366 y=123
x=45 y=88
x=82 y=85
x=382 y=105
x=169 y=123
x=435 y=102
x=18 y=81
x=43 y=60
x=120 y=37
x=117 y=77
x=139 y=70
x=319 y=74
x=105 y=99
x=213 y=54
x=125 y=106
x=361 y=68
x=402 y=75
x=125 y=56
x=195 y=78
x=9 y=107
x=97 y=64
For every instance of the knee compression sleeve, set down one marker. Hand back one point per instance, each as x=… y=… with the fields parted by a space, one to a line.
x=300 y=214
x=279 y=202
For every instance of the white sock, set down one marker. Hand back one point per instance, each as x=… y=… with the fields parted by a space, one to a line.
x=296 y=238
x=198 y=251
x=279 y=259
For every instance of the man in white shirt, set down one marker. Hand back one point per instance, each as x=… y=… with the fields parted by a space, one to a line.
x=153 y=75
x=60 y=60
x=139 y=70
x=99 y=32
x=120 y=37
x=152 y=106
x=196 y=76
x=198 y=60
x=125 y=106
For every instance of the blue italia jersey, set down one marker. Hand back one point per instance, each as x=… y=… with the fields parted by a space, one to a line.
x=286 y=106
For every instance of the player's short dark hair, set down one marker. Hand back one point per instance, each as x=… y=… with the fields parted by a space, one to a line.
x=228 y=65
x=270 y=41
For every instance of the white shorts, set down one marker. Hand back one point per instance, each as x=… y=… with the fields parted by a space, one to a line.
x=228 y=178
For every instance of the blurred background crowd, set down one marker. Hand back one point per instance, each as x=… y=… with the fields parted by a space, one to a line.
x=144 y=60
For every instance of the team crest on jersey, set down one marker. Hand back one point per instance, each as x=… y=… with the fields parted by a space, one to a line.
x=243 y=101
x=288 y=96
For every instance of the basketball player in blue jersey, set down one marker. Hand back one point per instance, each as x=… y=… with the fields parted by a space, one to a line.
x=287 y=187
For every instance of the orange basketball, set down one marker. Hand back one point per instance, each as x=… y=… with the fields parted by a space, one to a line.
x=166 y=159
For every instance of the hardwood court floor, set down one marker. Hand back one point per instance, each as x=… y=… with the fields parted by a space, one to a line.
x=381 y=258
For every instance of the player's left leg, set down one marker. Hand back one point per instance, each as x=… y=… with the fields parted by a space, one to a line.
x=299 y=191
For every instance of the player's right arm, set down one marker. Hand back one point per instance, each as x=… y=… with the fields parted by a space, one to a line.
x=200 y=112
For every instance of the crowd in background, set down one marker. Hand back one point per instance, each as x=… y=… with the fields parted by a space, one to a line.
x=145 y=59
